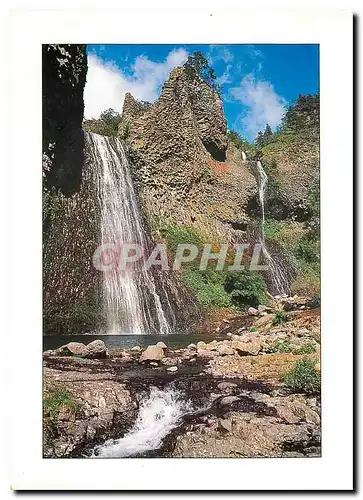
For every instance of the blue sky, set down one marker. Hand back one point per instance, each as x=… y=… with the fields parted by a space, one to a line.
x=258 y=81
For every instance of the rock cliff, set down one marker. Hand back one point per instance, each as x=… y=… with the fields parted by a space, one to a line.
x=186 y=170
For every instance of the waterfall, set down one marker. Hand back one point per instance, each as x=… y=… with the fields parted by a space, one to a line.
x=130 y=298
x=159 y=413
x=279 y=276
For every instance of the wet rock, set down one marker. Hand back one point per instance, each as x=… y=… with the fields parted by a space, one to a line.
x=228 y=387
x=73 y=349
x=228 y=400
x=97 y=349
x=152 y=353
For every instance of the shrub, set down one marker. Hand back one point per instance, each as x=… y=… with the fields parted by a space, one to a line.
x=303 y=377
x=273 y=229
x=56 y=398
x=107 y=124
x=208 y=286
x=246 y=289
x=285 y=346
x=307 y=284
x=307 y=249
x=279 y=318
x=175 y=235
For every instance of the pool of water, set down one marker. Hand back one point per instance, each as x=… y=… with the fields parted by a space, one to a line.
x=128 y=341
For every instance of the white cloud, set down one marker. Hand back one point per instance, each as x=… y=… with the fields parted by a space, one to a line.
x=107 y=84
x=219 y=53
x=226 y=77
x=263 y=105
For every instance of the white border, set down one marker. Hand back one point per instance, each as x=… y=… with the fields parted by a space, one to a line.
x=333 y=31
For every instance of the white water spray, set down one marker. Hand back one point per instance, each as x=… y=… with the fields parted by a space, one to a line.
x=159 y=414
x=279 y=277
x=131 y=302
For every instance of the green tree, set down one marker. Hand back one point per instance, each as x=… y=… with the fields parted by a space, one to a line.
x=197 y=65
x=106 y=124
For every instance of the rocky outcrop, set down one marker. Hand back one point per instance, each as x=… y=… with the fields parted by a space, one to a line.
x=185 y=168
x=64 y=78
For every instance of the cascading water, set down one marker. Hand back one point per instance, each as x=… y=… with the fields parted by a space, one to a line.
x=160 y=412
x=279 y=277
x=131 y=301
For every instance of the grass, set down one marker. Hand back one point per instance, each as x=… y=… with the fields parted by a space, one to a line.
x=285 y=347
x=303 y=377
x=208 y=286
x=54 y=399
x=279 y=318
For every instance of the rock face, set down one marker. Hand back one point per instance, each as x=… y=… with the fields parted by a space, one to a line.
x=64 y=78
x=186 y=171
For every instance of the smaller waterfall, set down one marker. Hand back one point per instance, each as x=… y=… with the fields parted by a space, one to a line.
x=160 y=412
x=279 y=276
x=244 y=156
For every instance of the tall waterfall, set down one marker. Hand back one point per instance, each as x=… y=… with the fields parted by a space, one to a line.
x=279 y=276
x=130 y=298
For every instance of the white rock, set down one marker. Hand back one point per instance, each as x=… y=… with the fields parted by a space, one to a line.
x=162 y=345
x=136 y=348
x=152 y=353
x=252 y=311
x=172 y=369
x=97 y=349
x=191 y=346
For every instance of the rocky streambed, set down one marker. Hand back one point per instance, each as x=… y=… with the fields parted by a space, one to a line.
x=225 y=398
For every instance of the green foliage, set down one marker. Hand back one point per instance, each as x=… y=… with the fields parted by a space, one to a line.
x=303 y=377
x=56 y=398
x=241 y=143
x=79 y=317
x=285 y=346
x=273 y=229
x=307 y=284
x=246 y=288
x=197 y=65
x=208 y=286
x=50 y=202
x=303 y=115
x=313 y=209
x=307 y=249
x=126 y=131
x=279 y=318
x=175 y=235
x=107 y=124
x=264 y=138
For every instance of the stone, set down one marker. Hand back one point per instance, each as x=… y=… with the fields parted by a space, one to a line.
x=172 y=369
x=191 y=346
x=152 y=353
x=72 y=349
x=229 y=334
x=203 y=353
x=227 y=387
x=252 y=311
x=201 y=345
x=154 y=363
x=162 y=345
x=224 y=350
x=263 y=321
x=247 y=348
x=97 y=349
x=225 y=424
x=228 y=400
x=137 y=348
x=167 y=361
x=261 y=308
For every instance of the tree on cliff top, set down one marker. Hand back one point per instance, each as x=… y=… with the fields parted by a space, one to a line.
x=265 y=137
x=197 y=65
x=106 y=124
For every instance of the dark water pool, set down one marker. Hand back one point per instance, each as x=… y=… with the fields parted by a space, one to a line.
x=127 y=341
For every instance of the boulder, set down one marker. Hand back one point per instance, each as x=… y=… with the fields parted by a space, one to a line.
x=225 y=350
x=228 y=400
x=201 y=345
x=172 y=369
x=137 y=348
x=152 y=353
x=73 y=349
x=191 y=346
x=247 y=348
x=203 y=353
x=97 y=349
x=168 y=361
x=227 y=387
x=162 y=345
x=252 y=311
